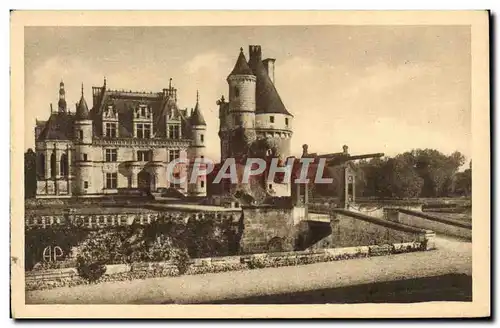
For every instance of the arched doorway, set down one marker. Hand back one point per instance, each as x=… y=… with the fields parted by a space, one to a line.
x=145 y=181
x=275 y=245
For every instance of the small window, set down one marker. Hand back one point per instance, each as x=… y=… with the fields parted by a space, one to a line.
x=85 y=158
x=143 y=155
x=270 y=186
x=271 y=118
x=80 y=134
x=202 y=137
x=286 y=121
x=174 y=154
x=236 y=91
x=202 y=157
x=111 y=155
x=202 y=184
x=85 y=184
x=111 y=180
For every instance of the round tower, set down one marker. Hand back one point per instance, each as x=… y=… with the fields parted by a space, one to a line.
x=196 y=150
x=83 y=149
x=242 y=84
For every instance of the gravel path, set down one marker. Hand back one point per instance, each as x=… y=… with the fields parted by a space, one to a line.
x=452 y=256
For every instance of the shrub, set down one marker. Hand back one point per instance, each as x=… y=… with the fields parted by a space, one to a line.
x=257 y=263
x=180 y=258
x=90 y=271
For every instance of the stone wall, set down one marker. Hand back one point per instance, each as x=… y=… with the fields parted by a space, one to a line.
x=432 y=222
x=350 y=229
x=268 y=229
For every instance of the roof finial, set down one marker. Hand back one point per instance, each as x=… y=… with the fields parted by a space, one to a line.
x=241 y=49
x=170 y=83
x=104 y=81
x=82 y=89
x=197 y=96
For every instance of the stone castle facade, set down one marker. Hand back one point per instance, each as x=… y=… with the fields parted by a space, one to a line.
x=121 y=145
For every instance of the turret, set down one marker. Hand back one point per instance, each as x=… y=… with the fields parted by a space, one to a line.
x=196 y=150
x=83 y=148
x=242 y=84
x=62 y=98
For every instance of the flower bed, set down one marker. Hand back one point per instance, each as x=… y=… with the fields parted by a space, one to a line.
x=224 y=264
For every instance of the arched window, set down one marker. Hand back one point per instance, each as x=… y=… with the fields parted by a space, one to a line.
x=64 y=165
x=53 y=165
x=41 y=165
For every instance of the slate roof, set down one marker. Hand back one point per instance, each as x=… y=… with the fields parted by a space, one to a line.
x=82 y=110
x=124 y=102
x=267 y=98
x=58 y=127
x=241 y=67
x=196 y=117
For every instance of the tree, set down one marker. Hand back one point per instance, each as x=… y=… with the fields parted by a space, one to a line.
x=437 y=170
x=463 y=182
x=404 y=181
x=29 y=174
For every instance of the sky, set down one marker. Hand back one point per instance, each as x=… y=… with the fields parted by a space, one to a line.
x=377 y=89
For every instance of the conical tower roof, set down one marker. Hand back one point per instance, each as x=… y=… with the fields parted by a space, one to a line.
x=241 y=67
x=196 y=117
x=267 y=98
x=82 y=110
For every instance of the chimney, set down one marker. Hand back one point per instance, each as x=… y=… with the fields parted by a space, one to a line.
x=255 y=53
x=269 y=65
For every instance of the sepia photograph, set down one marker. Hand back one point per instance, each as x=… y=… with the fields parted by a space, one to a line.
x=188 y=159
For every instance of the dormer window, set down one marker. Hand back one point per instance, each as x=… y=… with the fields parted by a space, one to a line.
x=110 y=122
x=174 y=131
x=143 y=112
x=271 y=119
x=110 y=112
x=143 y=131
x=110 y=131
x=143 y=122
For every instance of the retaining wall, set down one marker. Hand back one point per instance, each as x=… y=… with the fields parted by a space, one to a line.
x=425 y=221
x=350 y=229
x=68 y=274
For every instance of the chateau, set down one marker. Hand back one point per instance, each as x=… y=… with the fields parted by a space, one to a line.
x=121 y=145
